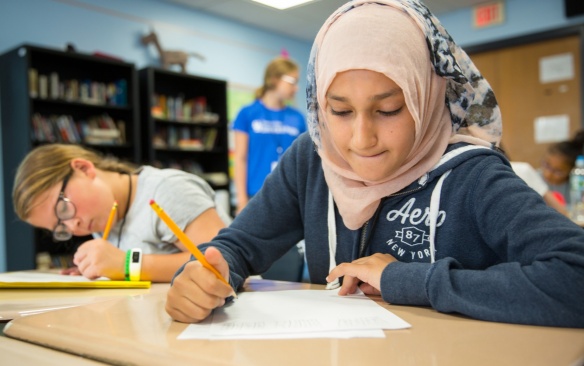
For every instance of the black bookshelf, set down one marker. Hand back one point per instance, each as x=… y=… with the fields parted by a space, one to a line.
x=47 y=96
x=185 y=123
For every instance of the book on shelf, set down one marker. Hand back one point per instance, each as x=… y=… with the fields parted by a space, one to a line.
x=172 y=136
x=77 y=90
x=71 y=91
x=98 y=130
x=44 y=130
x=206 y=117
x=103 y=133
x=190 y=144
x=185 y=137
x=43 y=86
x=178 y=109
x=60 y=123
x=72 y=127
x=96 y=94
x=121 y=92
x=33 y=82
x=162 y=105
x=54 y=85
x=37 y=129
x=210 y=138
x=170 y=108
x=186 y=111
x=84 y=90
x=102 y=130
x=122 y=128
x=216 y=178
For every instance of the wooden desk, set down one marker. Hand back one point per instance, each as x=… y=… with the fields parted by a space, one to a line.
x=137 y=330
x=15 y=352
x=23 y=302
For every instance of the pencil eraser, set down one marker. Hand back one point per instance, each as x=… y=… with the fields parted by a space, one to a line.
x=152 y=201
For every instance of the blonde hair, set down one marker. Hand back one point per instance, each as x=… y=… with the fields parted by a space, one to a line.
x=277 y=68
x=47 y=165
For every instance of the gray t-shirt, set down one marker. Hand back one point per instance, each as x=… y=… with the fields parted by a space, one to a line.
x=183 y=197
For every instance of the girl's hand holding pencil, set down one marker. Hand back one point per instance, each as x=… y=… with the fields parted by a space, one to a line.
x=203 y=276
x=196 y=291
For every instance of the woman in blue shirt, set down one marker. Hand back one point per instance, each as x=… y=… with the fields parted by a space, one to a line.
x=266 y=128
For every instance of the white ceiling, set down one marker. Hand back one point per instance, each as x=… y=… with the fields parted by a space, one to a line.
x=301 y=22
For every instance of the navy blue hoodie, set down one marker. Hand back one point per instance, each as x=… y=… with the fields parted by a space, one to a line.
x=501 y=254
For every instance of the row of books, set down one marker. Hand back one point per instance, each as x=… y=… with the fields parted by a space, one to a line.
x=185 y=137
x=84 y=91
x=193 y=110
x=96 y=130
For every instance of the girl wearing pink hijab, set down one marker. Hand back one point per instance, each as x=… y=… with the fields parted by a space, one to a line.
x=399 y=188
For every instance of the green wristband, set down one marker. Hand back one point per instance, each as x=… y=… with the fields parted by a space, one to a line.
x=127 y=268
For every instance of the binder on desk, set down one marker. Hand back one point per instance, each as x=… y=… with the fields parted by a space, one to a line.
x=40 y=280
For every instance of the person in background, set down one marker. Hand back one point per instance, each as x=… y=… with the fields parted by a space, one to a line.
x=397 y=190
x=265 y=129
x=558 y=161
x=534 y=180
x=70 y=190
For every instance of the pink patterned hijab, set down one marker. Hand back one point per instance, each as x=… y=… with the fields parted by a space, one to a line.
x=446 y=95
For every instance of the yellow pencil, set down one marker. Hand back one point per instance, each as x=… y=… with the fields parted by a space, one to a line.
x=186 y=241
x=110 y=220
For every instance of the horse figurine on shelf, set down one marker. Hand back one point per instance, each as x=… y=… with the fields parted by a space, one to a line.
x=169 y=58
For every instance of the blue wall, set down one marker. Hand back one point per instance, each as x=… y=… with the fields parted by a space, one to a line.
x=235 y=52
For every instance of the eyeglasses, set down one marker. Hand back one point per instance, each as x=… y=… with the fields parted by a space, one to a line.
x=289 y=79
x=559 y=173
x=64 y=210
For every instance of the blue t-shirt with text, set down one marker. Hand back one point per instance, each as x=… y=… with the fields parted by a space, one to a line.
x=270 y=133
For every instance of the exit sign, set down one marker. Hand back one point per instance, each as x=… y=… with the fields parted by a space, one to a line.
x=489 y=14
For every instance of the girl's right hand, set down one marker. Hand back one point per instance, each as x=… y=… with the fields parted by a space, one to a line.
x=99 y=258
x=196 y=291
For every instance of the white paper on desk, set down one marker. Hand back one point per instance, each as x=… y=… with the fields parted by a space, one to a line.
x=296 y=314
x=24 y=276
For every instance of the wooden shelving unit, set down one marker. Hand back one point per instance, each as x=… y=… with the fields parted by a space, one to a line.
x=185 y=123
x=52 y=96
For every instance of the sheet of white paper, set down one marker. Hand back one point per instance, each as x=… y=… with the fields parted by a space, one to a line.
x=24 y=276
x=202 y=331
x=556 y=68
x=552 y=128
x=296 y=314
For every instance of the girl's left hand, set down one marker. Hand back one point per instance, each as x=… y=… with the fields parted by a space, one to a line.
x=366 y=269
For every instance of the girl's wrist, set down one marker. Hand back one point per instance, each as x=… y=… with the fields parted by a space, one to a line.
x=133 y=265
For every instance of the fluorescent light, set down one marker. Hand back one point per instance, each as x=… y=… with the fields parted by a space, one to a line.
x=282 y=4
